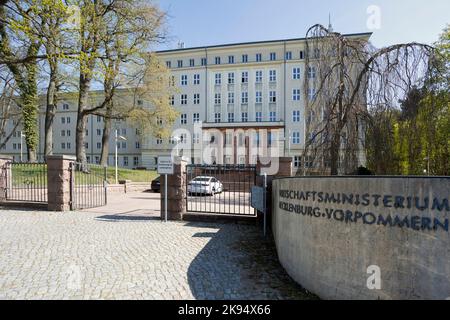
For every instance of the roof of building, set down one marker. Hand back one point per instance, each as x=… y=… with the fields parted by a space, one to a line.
x=254 y=42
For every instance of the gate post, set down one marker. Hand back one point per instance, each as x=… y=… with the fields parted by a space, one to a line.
x=282 y=169
x=58 y=182
x=176 y=191
x=4 y=175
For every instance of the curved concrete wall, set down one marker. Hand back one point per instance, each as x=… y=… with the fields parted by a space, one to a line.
x=365 y=237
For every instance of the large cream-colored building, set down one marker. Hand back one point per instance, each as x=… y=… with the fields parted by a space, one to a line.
x=237 y=97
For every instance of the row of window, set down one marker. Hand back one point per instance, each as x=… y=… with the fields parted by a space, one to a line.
x=125 y=161
x=296 y=72
x=296 y=94
x=231 y=59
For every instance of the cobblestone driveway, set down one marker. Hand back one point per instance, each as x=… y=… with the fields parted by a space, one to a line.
x=87 y=255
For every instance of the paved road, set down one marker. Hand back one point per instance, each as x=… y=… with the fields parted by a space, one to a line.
x=128 y=253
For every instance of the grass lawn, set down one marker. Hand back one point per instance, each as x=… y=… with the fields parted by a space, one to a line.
x=36 y=175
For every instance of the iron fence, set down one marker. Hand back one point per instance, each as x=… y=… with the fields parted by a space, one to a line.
x=26 y=182
x=88 y=186
x=222 y=189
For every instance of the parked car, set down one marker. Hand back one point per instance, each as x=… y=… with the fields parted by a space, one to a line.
x=156 y=185
x=205 y=185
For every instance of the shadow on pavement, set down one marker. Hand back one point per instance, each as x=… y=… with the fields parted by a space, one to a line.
x=238 y=262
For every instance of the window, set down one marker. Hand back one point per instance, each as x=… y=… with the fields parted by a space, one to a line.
x=184 y=99
x=68 y=120
x=289 y=55
x=258 y=116
x=272 y=96
x=139 y=102
x=231 y=78
x=99 y=145
x=244 y=117
x=158 y=141
x=296 y=116
x=65 y=106
x=217 y=60
x=63 y=133
x=68 y=133
x=124 y=131
x=217 y=117
x=125 y=161
x=272 y=75
x=311 y=93
x=296 y=94
x=244 y=97
x=184 y=118
x=172 y=100
x=196 y=79
x=297 y=161
x=191 y=62
x=311 y=72
x=244 y=77
x=296 y=73
x=169 y=64
x=217 y=98
x=180 y=63
x=230 y=97
x=99 y=132
x=273 y=56
x=218 y=78
x=135 y=161
x=258 y=96
x=302 y=55
x=172 y=81
x=259 y=76
x=204 y=62
x=272 y=116
x=63 y=120
x=196 y=118
x=184 y=80
x=269 y=139
x=63 y=145
x=86 y=132
x=230 y=117
x=196 y=138
x=196 y=98
x=296 y=137
x=124 y=145
x=244 y=58
x=137 y=145
x=230 y=59
x=258 y=57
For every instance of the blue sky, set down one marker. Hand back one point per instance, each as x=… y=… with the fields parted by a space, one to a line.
x=208 y=22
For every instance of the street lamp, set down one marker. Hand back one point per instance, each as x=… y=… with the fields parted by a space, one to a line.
x=21 y=153
x=117 y=138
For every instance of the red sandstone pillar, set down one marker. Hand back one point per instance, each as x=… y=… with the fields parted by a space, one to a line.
x=58 y=182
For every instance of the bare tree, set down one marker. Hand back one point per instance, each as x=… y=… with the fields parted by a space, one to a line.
x=9 y=110
x=345 y=78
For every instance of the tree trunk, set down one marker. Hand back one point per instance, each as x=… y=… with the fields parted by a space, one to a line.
x=81 y=119
x=105 y=138
x=50 y=111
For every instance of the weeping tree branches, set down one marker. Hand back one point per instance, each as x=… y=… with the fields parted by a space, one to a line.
x=346 y=78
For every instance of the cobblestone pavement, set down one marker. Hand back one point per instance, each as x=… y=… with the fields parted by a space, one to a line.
x=89 y=255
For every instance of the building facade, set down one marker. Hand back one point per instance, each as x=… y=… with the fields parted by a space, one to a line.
x=236 y=102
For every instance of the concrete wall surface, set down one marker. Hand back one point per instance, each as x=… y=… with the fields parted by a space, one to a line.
x=365 y=237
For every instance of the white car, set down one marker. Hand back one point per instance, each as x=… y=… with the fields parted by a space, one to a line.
x=205 y=185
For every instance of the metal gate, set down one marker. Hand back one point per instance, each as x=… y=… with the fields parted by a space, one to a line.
x=222 y=189
x=88 y=186
x=26 y=182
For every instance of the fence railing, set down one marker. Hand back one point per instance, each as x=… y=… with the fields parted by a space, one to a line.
x=26 y=182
